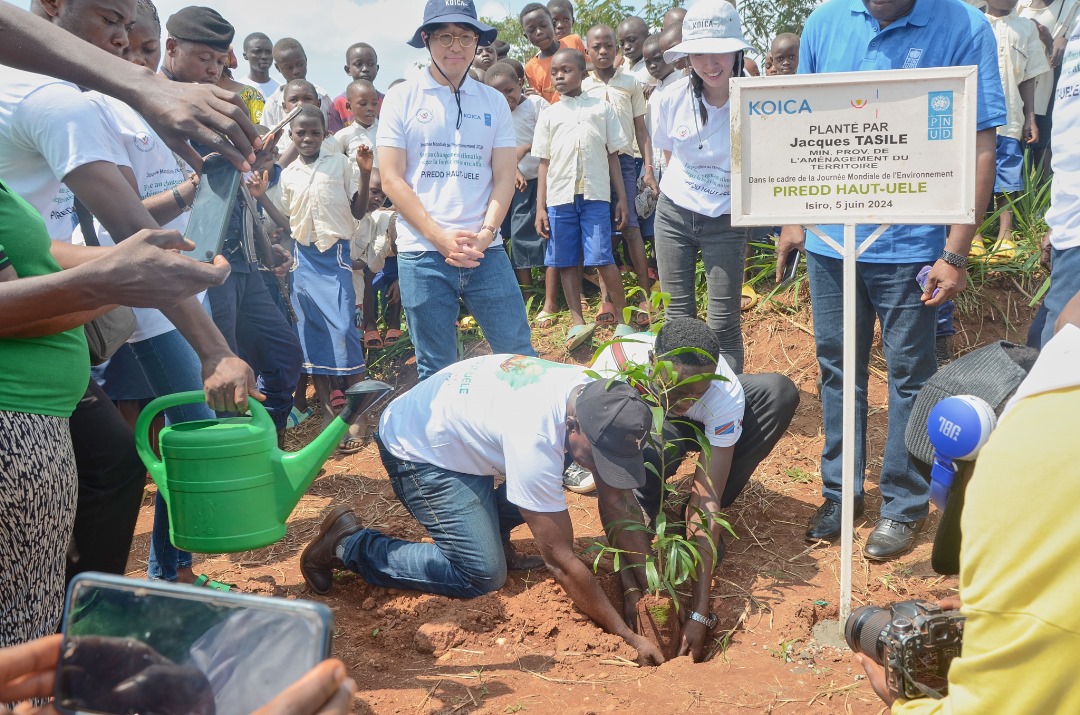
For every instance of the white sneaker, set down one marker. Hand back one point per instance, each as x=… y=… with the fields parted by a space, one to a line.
x=578 y=479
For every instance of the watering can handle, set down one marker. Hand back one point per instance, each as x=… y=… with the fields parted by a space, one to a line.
x=146 y=418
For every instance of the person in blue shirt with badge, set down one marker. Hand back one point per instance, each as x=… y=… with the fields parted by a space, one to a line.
x=855 y=35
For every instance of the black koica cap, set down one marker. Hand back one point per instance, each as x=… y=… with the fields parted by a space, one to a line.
x=617 y=422
x=203 y=25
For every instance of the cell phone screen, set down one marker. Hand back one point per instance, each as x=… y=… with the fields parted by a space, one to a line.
x=214 y=202
x=139 y=647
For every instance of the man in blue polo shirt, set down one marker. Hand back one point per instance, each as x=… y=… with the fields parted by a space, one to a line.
x=853 y=35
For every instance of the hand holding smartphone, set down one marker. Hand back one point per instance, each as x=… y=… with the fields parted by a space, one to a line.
x=213 y=206
x=791 y=268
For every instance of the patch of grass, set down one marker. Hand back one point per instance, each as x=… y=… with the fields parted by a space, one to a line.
x=783 y=650
x=800 y=476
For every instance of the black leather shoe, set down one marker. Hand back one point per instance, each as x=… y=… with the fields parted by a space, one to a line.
x=891 y=538
x=825 y=525
x=318 y=561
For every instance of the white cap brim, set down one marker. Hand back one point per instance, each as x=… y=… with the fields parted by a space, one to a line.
x=705 y=46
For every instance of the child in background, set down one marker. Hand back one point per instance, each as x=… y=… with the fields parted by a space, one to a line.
x=623 y=92
x=502 y=50
x=631 y=34
x=519 y=70
x=294 y=92
x=361 y=63
x=252 y=98
x=363 y=103
x=537 y=25
x=578 y=142
x=770 y=69
x=324 y=194
x=661 y=73
x=562 y=18
x=485 y=57
x=371 y=246
x=1021 y=58
x=291 y=61
x=783 y=55
x=526 y=245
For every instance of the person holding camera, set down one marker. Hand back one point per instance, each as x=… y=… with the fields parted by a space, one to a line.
x=1018 y=588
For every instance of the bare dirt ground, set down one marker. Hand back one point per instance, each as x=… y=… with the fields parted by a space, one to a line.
x=527 y=649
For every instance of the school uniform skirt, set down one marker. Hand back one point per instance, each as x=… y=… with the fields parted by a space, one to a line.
x=324 y=300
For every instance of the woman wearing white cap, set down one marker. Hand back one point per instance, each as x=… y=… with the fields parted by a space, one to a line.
x=693 y=214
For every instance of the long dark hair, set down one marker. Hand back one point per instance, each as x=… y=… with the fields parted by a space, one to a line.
x=697 y=86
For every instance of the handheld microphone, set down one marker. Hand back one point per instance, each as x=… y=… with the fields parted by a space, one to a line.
x=958 y=426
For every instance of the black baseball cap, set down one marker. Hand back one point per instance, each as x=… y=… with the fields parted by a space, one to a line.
x=617 y=422
x=457 y=12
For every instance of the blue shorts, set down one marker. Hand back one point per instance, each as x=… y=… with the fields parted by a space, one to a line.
x=579 y=230
x=1010 y=165
x=629 y=167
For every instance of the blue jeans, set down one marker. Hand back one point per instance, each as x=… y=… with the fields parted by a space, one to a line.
x=680 y=235
x=170 y=365
x=1064 y=284
x=430 y=294
x=466 y=516
x=888 y=292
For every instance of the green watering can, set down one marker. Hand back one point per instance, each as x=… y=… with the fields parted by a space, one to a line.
x=227 y=486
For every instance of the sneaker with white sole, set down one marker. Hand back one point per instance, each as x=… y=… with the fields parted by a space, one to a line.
x=578 y=479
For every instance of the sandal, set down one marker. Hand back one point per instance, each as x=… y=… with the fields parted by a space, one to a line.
x=337 y=399
x=653 y=275
x=545 y=319
x=204 y=581
x=623 y=330
x=642 y=317
x=373 y=341
x=392 y=336
x=296 y=418
x=351 y=445
x=577 y=336
x=606 y=315
x=749 y=297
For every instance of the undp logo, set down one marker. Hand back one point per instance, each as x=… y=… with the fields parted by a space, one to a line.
x=940 y=103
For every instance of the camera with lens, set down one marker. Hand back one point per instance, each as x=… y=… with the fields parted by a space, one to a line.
x=915 y=641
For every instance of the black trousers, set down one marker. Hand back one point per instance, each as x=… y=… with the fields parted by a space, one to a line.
x=111 y=482
x=771 y=400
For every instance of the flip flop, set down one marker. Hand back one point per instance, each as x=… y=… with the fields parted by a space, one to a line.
x=204 y=581
x=750 y=297
x=577 y=336
x=337 y=399
x=1001 y=252
x=373 y=341
x=467 y=323
x=351 y=445
x=642 y=316
x=296 y=417
x=392 y=336
x=545 y=319
x=606 y=315
x=978 y=248
x=622 y=330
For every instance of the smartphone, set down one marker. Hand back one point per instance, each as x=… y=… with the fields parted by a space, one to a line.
x=133 y=646
x=284 y=122
x=214 y=202
x=791 y=268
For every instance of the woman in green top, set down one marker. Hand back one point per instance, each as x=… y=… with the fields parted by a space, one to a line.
x=45 y=369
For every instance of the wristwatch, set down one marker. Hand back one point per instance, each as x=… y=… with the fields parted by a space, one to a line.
x=493 y=229
x=707 y=621
x=955 y=259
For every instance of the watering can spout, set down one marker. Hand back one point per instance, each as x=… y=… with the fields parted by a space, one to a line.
x=301 y=468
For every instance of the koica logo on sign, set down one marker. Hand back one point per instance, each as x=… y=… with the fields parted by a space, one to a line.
x=769 y=107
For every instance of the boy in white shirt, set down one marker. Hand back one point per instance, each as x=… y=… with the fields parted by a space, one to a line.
x=574 y=191
x=526 y=245
x=362 y=101
x=372 y=245
x=291 y=61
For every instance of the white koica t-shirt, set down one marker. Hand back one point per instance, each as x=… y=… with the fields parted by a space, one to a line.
x=1064 y=213
x=448 y=168
x=491 y=415
x=698 y=174
x=156 y=170
x=720 y=410
x=49 y=128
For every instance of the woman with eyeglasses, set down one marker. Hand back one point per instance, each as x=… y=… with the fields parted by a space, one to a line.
x=448 y=157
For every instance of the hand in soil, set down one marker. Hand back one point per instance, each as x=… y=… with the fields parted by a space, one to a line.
x=694 y=636
x=630 y=600
x=648 y=653
x=876 y=675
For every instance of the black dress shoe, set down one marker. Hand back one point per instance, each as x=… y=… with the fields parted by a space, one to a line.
x=891 y=538
x=825 y=525
x=318 y=561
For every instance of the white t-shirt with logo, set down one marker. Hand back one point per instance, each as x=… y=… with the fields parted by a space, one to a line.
x=448 y=168
x=698 y=174
x=156 y=169
x=525 y=116
x=720 y=409
x=49 y=128
x=1063 y=216
x=491 y=415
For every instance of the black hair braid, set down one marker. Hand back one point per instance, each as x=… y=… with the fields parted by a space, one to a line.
x=697 y=88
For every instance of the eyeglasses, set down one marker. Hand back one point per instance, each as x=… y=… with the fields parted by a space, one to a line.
x=447 y=40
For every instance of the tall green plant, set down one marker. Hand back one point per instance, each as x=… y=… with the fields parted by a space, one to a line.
x=765 y=19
